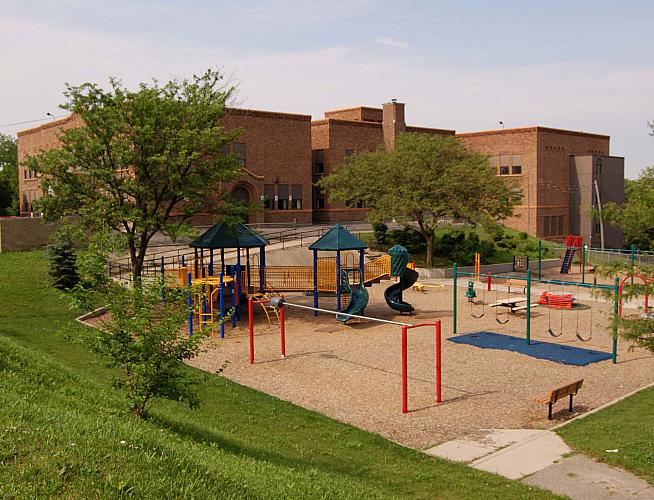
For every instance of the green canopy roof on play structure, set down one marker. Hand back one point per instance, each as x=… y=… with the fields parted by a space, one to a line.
x=336 y=239
x=223 y=235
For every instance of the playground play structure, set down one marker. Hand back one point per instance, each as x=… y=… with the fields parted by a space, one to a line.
x=217 y=291
x=281 y=304
x=553 y=301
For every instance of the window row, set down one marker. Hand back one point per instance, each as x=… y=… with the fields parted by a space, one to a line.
x=282 y=196
x=507 y=164
x=237 y=149
x=553 y=225
x=30 y=174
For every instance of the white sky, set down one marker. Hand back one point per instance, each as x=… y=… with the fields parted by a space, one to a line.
x=464 y=66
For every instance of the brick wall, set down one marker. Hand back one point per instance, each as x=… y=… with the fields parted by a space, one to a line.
x=511 y=142
x=278 y=152
x=32 y=142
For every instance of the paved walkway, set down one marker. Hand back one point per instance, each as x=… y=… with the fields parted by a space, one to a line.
x=541 y=458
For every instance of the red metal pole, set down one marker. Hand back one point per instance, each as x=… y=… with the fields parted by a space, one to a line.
x=251 y=326
x=438 y=362
x=282 y=329
x=646 y=302
x=405 y=405
x=488 y=279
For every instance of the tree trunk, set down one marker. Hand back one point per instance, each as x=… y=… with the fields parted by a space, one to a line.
x=430 y=250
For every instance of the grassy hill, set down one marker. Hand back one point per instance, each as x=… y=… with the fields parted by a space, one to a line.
x=65 y=432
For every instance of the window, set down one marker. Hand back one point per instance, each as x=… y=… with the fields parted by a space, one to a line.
x=318 y=161
x=504 y=165
x=318 y=198
x=282 y=196
x=598 y=167
x=493 y=161
x=516 y=165
x=361 y=204
x=546 y=226
x=597 y=229
x=239 y=151
x=516 y=196
x=348 y=153
x=269 y=196
x=553 y=225
x=296 y=191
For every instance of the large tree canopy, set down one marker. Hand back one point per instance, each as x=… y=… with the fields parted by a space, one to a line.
x=635 y=216
x=424 y=179
x=141 y=161
x=8 y=175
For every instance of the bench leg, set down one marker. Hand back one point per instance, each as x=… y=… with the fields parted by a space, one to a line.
x=570 y=406
x=549 y=413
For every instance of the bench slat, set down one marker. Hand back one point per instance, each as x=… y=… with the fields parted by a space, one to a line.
x=561 y=392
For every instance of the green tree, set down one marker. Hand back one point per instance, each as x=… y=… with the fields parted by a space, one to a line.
x=143 y=161
x=424 y=179
x=62 y=264
x=142 y=338
x=635 y=216
x=8 y=175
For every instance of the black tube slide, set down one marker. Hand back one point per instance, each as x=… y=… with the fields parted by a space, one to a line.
x=393 y=294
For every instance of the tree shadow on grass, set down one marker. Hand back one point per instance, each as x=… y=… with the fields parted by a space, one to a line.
x=203 y=436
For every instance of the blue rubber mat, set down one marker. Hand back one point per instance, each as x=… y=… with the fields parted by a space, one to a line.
x=559 y=353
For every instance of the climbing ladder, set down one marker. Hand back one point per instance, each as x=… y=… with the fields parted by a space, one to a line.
x=567 y=260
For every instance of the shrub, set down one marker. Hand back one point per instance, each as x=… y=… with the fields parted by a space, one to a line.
x=380 y=231
x=497 y=233
x=461 y=248
x=523 y=236
x=142 y=338
x=63 y=264
x=410 y=238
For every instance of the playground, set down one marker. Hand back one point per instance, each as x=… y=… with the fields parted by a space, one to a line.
x=353 y=371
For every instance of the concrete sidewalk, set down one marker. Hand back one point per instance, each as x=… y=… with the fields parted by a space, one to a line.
x=541 y=458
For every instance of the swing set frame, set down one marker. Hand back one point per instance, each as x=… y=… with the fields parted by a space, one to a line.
x=529 y=281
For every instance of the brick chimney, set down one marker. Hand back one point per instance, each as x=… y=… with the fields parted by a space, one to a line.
x=393 y=122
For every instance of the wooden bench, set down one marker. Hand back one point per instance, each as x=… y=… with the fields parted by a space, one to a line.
x=560 y=393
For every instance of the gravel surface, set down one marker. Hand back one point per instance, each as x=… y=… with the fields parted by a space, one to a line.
x=352 y=372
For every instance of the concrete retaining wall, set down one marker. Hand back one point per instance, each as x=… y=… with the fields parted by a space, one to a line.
x=490 y=268
x=24 y=233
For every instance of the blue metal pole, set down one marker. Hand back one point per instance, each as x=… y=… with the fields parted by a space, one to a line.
x=338 y=280
x=211 y=262
x=454 y=278
x=221 y=294
x=195 y=264
x=238 y=291
x=189 y=303
x=362 y=267
x=163 y=281
x=528 y=312
x=315 y=281
x=204 y=307
x=183 y=265
x=233 y=286
x=262 y=267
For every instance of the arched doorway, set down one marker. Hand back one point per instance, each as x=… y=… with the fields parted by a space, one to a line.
x=242 y=195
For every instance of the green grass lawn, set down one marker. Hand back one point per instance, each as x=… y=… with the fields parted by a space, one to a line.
x=65 y=432
x=627 y=426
